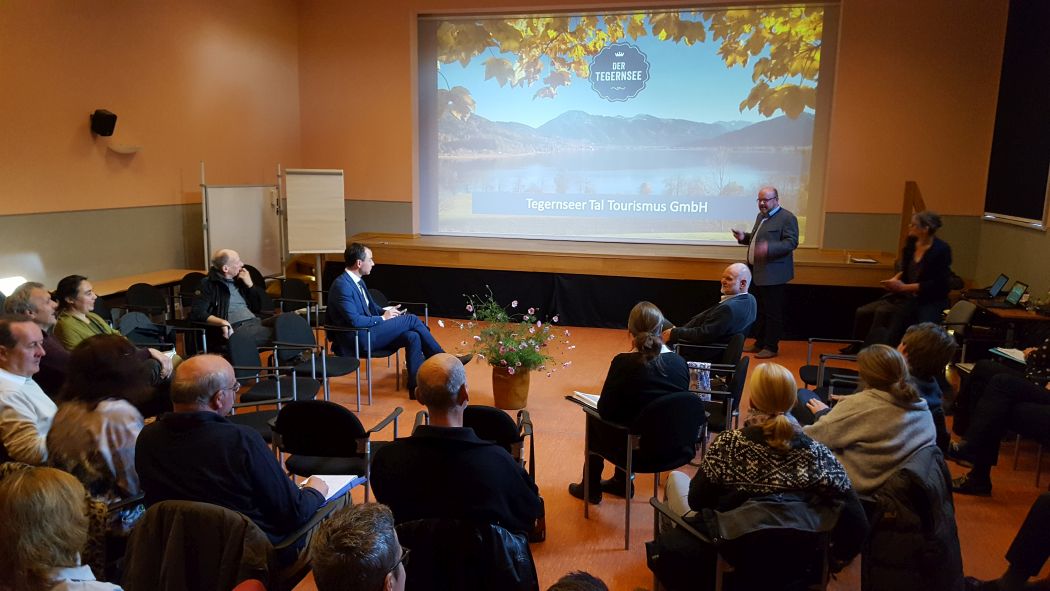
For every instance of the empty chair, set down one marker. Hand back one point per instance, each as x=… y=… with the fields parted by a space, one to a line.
x=295 y=344
x=325 y=438
x=662 y=438
x=146 y=298
x=723 y=404
x=188 y=290
x=271 y=382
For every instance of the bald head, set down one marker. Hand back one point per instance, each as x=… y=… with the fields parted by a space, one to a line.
x=736 y=279
x=441 y=382
x=204 y=382
x=228 y=262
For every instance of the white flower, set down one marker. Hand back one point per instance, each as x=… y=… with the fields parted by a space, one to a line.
x=555 y=319
x=514 y=304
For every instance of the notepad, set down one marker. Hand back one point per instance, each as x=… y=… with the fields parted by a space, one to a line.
x=1012 y=354
x=863 y=260
x=337 y=483
x=584 y=399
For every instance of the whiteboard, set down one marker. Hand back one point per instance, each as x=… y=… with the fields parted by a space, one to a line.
x=315 y=211
x=244 y=218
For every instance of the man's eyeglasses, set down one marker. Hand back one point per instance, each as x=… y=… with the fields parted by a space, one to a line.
x=402 y=560
x=767 y=200
x=234 y=388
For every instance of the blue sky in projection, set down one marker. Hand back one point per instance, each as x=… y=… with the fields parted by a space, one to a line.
x=686 y=82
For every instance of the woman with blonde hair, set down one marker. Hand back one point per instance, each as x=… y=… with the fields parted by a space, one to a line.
x=650 y=370
x=45 y=529
x=874 y=431
x=770 y=454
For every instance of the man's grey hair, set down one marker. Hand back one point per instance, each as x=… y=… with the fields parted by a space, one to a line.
x=355 y=549
x=197 y=388
x=19 y=301
x=438 y=389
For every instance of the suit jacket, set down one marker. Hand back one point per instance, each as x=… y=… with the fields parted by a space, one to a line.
x=719 y=322
x=482 y=481
x=780 y=233
x=346 y=308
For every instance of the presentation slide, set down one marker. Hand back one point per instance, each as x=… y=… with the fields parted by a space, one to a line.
x=649 y=126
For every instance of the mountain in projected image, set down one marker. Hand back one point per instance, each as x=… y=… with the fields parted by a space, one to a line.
x=576 y=130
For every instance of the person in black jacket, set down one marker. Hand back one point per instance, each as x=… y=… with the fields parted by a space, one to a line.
x=229 y=300
x=634 y=380
x=195 y=454
x=918 y=292
x=733 y=314
x=444 y=470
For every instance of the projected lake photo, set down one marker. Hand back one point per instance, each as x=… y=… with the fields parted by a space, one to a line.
x=647 y=127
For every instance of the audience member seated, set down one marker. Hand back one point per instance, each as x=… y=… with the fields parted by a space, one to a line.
x=1027 y=553
x=357 y=549
x=918 y=292
x=874 y=431
x=444 y=470
x=350 y=306
x=1037 y=367
x=579 y=581
x=45 y=531
x=32 y=299
x=25 y=411
x=228 y=299
x=771 y=455
x=733 y=314
x=76 y=322
x=650 y=370
x=1010 y=403
x=195 y=454
x=93 y=434
x=927 y=348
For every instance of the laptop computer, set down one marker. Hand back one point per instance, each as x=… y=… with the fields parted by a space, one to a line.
x=990 y=292
x=1013 y=299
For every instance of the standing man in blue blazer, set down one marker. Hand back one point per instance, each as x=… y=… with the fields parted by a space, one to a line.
x=770 y=245
x=350 y=306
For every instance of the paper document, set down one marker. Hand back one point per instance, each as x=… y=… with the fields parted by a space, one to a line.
x=1013 y=354
x=864 y=260
x=585 y=399
x=337 y=483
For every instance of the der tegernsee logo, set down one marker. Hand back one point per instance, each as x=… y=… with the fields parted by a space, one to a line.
x=619 y=72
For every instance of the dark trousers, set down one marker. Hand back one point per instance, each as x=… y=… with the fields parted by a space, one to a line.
x=892 y=314
x=971 y=390
x=1007 y=396
x=406 y=332
x=1031 y=545
x=769 y=326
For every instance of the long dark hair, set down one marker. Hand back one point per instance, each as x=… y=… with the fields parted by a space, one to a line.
x=67 y=289
x=105 y=366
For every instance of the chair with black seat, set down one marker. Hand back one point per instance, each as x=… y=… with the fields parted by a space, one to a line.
x=493 y=424
x=191 y=546
x=723 y=404
x=188 y=286
x=295 y=344
x=322 y=437
x=296 y=295
x=662 y=438
x=266 y=385
x=148 y=299
x=727 y=353
x=775 y=542
x=455 y=554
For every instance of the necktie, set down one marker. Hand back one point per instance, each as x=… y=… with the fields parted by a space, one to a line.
x=364 y=292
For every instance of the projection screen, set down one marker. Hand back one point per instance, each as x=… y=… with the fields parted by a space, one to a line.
x=628 y=126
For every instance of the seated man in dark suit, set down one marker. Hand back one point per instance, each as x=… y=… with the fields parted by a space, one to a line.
x=733 y=314
x=444 y=470
x=195 y=454
x=350 y=306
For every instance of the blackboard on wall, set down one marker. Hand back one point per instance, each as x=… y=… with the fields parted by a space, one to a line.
x=1019 y=170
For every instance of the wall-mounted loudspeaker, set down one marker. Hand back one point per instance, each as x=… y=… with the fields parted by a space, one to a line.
x=103 y=122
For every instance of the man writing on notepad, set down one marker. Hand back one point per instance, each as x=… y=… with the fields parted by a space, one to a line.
x=195 y=454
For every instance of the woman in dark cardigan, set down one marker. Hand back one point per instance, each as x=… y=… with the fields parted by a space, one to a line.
x=634 y=380
x=918 y=292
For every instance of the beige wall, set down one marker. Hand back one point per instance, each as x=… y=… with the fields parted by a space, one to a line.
x=190 y=80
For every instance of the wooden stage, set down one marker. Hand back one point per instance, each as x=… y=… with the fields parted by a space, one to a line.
x=656 y=261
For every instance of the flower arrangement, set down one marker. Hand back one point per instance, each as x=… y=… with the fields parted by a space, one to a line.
x=518 y=341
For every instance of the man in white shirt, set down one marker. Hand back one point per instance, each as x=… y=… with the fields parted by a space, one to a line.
x=25 y=411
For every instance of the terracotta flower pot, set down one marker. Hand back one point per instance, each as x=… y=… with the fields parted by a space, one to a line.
x=510 y=391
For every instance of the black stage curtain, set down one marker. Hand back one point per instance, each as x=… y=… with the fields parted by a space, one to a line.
x=602 y=301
